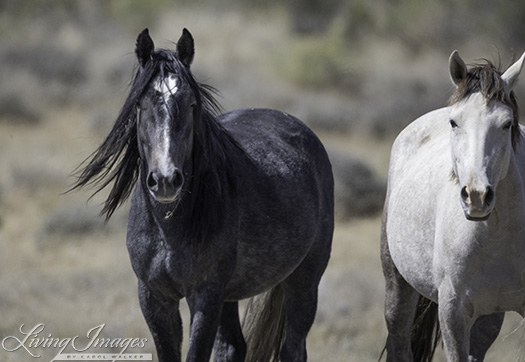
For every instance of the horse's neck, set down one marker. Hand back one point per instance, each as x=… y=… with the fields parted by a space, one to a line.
x=511 y=191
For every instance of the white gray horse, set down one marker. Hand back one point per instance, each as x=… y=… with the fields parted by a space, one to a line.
x=453 y=232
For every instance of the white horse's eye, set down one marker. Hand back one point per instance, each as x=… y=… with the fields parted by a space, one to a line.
x=453 y=123
x=507 y=125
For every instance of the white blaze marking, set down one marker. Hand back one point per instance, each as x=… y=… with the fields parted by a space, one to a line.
x=166 y=86
x=166 y=166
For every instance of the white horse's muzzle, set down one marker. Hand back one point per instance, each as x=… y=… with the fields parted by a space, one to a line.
x=477 y=203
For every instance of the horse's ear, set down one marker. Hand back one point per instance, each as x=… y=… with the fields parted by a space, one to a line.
x=185 y=48
x=145 y=47
x=457 y=68
x=511 y=75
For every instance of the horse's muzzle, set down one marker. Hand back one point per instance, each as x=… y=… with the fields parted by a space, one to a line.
x=165 y=188
x=477 y=204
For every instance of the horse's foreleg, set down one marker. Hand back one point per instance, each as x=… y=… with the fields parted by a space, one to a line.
x=229 y=342
x=165 y=324
x=455 y=318
x=205 y=307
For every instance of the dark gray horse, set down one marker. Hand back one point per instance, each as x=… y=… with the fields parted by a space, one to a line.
x=224 y=208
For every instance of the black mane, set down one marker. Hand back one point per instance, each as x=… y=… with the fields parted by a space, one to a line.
x=117 y=159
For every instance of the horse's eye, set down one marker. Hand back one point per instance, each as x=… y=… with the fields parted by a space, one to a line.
x=507 y=125
x=453 y=124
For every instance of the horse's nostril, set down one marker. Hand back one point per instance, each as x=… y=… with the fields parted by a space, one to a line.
x=178 y=179
x=165 y=188
x=152 y=181
x=464 y=193
x=489 y=195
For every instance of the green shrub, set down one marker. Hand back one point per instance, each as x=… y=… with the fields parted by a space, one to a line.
x=318 y=61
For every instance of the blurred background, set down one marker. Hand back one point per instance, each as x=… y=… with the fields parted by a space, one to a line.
x=356 y=71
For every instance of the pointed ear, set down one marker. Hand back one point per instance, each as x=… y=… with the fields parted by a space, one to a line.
x=457 y=68
x=144 y=48
x=185 y=48
x=511 y=75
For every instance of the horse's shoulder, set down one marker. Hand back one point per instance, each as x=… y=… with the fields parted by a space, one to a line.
x=424 y=131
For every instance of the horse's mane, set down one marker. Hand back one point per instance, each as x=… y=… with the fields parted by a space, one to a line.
x=485 y=78
x=117 y=160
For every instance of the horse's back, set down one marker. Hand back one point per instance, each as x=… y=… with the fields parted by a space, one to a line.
x=283 y=156
x=281 y=150
x=278 y=142
x=418 y=142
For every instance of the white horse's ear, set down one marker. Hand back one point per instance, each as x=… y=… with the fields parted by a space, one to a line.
x=457 y=68
x=511 y=75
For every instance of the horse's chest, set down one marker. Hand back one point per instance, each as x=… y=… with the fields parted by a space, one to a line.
x=493 y=283
x=154 y=267
x=172 y=271
x=162 y=268
x=497 y=293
